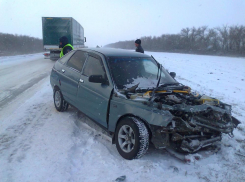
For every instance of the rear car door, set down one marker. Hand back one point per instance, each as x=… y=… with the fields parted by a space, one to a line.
x=94 y=98
x=71 y=73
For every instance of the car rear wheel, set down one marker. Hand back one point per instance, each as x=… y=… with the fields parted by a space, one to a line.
x=59 y=102
x=132 y=138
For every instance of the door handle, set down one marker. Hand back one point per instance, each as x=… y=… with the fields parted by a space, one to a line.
x=63 y=71
x=81 y=80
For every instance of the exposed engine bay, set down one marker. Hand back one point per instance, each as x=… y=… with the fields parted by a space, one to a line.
x=198 y=120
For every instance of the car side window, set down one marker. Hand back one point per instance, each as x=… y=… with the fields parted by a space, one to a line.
x=66 y=57
x=94 y=66
x=77 y=60
x=150 y=68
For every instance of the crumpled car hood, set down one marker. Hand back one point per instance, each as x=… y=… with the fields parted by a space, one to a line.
x=198 y=121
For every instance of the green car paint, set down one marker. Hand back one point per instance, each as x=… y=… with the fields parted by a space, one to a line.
x=172 y=117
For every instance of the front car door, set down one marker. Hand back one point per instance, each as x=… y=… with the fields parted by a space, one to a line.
x=94 y=98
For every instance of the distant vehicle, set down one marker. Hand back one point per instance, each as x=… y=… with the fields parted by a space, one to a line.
x=56 y=27
x=46 y=55
x=137 y=101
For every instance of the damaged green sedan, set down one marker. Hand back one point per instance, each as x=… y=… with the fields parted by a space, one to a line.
x=137 y=101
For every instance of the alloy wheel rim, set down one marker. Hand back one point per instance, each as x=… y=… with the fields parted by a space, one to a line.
x=126 y=138
x=57 y=98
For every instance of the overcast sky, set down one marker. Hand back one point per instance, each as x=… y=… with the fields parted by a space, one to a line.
x=108 y=21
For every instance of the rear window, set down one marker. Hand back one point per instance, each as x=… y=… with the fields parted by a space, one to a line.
x=66 y=57
x=77 y=60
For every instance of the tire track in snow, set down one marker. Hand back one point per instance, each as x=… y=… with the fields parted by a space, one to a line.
x=18 y=138
x=9 y=94
x=89 y=143
x=92 y=146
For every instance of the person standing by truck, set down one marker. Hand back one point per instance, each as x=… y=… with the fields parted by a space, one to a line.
x=138 y=46
x=66 y=47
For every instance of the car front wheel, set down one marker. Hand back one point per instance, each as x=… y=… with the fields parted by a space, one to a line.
x=132 y=138
x=59 y=102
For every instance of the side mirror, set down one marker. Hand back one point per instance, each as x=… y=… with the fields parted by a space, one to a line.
x=98 y=79
x=172 y=74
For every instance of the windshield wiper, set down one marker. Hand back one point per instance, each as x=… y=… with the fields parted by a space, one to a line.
x=167 y=84
x=158 y=65
x=133 y=88
x=159 y=79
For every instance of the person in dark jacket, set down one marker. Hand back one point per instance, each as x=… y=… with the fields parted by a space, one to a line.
x=66 y=47
x=138 y=46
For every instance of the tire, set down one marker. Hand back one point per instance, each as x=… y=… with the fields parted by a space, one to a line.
x=132 y=138
x=60 y=104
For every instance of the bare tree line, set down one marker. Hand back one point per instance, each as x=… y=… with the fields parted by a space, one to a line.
x=19 y=44
x=225 y=40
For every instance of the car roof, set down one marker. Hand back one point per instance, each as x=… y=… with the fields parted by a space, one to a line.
x=111 y=52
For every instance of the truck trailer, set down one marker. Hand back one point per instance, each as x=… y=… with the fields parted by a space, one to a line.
x=56 y=27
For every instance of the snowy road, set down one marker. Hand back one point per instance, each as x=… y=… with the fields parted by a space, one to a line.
x=19 y=73
x=37 y=143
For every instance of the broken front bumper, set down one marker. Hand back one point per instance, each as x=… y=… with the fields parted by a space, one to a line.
x=162 y=137
x=195 y=145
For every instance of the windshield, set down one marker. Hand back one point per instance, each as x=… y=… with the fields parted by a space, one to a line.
x=128 y=72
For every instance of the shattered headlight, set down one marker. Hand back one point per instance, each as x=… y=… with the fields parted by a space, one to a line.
x=209 y=101
x=227 y=107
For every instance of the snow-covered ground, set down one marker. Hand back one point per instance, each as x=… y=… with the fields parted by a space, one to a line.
x=37 y=143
